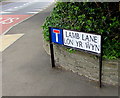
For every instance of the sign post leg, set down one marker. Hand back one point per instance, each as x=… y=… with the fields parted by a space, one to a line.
x=52 y=55
x=51 y=49
x=100 y=71
x=100 y=63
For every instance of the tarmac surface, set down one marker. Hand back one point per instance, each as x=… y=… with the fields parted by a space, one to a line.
x=26 y=67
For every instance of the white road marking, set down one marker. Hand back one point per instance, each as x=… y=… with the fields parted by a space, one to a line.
x=3 y=12
x=16 y=24
x=20 y=6
x=11 y=9
x=38 y=9
x=27 y=3
x=8 y=20
x=33 y=12
x=24 y=4
x=15 y=7
x=8 y=9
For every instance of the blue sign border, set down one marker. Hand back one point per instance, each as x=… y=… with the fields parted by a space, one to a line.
x=57 y=37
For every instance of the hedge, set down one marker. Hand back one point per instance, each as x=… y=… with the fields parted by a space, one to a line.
x=99 y=17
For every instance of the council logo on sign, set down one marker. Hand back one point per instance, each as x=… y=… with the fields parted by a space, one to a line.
x=57 y=36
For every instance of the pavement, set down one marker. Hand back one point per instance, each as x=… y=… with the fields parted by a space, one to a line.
x=27 y=71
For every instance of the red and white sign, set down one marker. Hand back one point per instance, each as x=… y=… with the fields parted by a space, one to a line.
x=56 y=32
x=7 y=21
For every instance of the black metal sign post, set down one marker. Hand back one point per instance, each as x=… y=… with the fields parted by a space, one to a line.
x=51 y=49
x=99 y=55
x=100 y=65
x=100 y=71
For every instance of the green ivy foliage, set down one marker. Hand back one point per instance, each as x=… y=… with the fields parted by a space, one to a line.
x=101 y=18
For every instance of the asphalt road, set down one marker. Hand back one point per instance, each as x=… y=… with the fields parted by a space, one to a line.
x=26 y=67
x=23 y=8
x=12 y=13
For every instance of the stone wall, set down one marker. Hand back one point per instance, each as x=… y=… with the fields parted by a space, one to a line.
x=85 y=64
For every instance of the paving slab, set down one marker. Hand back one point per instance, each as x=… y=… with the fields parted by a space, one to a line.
x=7 y=40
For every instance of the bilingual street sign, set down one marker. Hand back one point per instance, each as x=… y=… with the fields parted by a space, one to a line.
x=79 y=40
x=87 y=42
